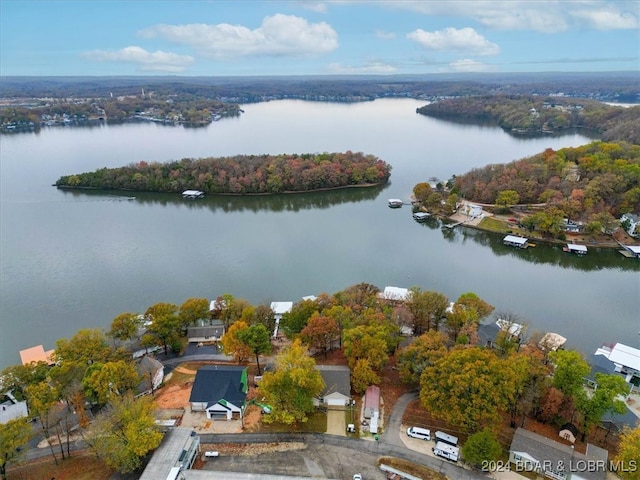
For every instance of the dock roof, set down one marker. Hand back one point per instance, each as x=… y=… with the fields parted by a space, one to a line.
x=515 y=240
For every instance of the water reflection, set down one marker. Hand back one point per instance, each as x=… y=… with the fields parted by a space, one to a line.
x=290 y=202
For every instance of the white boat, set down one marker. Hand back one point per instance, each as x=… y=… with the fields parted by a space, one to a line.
x=395 y=203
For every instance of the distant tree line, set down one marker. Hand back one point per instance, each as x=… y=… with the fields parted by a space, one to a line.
x=527 y=114
x=241 y=174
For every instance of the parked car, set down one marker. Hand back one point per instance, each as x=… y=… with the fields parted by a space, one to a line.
x=421 y=433
x=357 y=476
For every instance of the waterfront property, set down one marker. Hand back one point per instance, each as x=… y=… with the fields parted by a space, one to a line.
x=220 y=391
x=514 y=241
x=279 y=309
x=337 y=390
x=11 y=408
x=36 y=354
x=626 y=360
x=577 y=249
x=192 y=194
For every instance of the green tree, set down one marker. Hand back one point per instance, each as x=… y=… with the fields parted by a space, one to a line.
x=124 y=326
x=257 y=338
x=366 y=342
x=426 y=308
x=424 y=351
x=294 y=321
x=569 y=372
x=507 y=198
x=192 y=310
x=628 y=456
x=125 y=432
x=85 y=347
x=18 y=377
x=42 y=400
x=470 y=387
x=104 y=381
x=604 y=399
x=14 y=434
x=291 y=388
x=481 y=447
x=422 y=191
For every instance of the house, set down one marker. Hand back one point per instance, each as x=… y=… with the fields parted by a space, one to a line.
x=337 y=390
x=220 y=391
x=551 y=342
x=372 y=402
x=472 y=211
x=487 y=333
x=530 y=452
x=151 y=372
x=626 y=360
x=569 y=432
x=632 y=222
x=396 y=294
x=11 y=408
x=36 y=354
x=279 y=309
x=206 y=333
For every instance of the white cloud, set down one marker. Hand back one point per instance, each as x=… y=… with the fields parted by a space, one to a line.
x=468 y=65
x=279 y=35
x=373 y=68
x=453 y=39
x=606 y=19
x=381 y=34
x=318 y=7
x=157 y=61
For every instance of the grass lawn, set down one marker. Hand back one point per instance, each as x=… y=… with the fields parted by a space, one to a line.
x=317 y=423
x=81 y=466
x=493 y=225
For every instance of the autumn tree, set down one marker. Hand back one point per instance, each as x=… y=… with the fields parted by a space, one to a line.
x=291 y=388
x=426 y=308
x=125 y=432
x=362 y=375
x=470 y=387
x=344 y=317
x=570 y=370
x=85 y=347
x=320 y=333
x=104 y=381
x=17 y=378
x=233 y=345
x=42 y=400
x=424 y=351
x=628 y=457
x=366 y=342
x=164 y=325
x=124 y=326
x=257 y=339
x=456 y=318
x=481 y=447
x=192 y=310
x=14 y=434
x=507 y=198
x=422 y=191
x=294 y=321
x=266 y=316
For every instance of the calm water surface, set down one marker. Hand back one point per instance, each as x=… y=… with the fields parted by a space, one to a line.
x=72 y=260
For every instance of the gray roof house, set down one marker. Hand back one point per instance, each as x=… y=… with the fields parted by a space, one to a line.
x=535 y=453
x=337 y=380
x=220 y=391
x=206 y=333
x=11 y=408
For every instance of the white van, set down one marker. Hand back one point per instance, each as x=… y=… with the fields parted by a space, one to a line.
x=421 y=433
x=447 y=451
x=446 y=438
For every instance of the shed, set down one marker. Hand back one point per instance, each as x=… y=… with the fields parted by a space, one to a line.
x=372 y=402
x=569 y=432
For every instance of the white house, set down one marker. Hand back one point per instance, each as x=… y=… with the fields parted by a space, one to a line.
x=625 y=358
x=279 y=309
x=634 y=221
x=11 y=408
x=337 y=381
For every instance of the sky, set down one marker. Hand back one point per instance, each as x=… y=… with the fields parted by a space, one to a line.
x=312 y=37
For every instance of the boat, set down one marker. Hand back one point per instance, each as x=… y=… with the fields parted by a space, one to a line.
x=192 y=194
x=395 y=203
x=421 y=216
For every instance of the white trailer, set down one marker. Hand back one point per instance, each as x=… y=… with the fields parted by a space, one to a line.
x=447 y=451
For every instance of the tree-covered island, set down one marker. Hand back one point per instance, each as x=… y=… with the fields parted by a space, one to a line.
x=241 y=174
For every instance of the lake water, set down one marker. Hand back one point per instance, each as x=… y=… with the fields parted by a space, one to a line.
x=72 y=260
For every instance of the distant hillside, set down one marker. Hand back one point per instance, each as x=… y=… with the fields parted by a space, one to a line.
x=242 y=174
x=580 y=182
x=523 y=114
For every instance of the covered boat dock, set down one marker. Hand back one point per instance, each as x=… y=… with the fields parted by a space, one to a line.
x=513 y=241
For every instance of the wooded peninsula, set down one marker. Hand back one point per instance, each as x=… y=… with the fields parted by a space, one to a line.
x=240 y=174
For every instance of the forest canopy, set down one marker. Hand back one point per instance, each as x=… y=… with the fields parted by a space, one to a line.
x=594 y=178
x=241 y=174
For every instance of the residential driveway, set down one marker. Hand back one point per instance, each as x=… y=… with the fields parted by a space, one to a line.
x=335 y=423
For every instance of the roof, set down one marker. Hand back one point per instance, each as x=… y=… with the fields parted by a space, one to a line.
x=336 y=379
x=634 y=248
x=571 y=427
x=206 y=331
x=513 y=328
x=395 y=293
x=514 y=239
x=166 y=456
x=553 y=455
x=576 y=248
x=36 y=354
x=281 y=307
x=626 y=356
x=220 y=382
x=372 y=397
x=552 y=341
x=311 y=298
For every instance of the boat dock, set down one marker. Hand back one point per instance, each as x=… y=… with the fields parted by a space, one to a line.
x=514 y=241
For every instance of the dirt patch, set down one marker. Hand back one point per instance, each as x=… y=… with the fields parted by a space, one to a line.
x=173 y=396
x=250 y=449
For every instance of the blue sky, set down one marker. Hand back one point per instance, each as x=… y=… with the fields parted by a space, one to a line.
x=300 y=37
